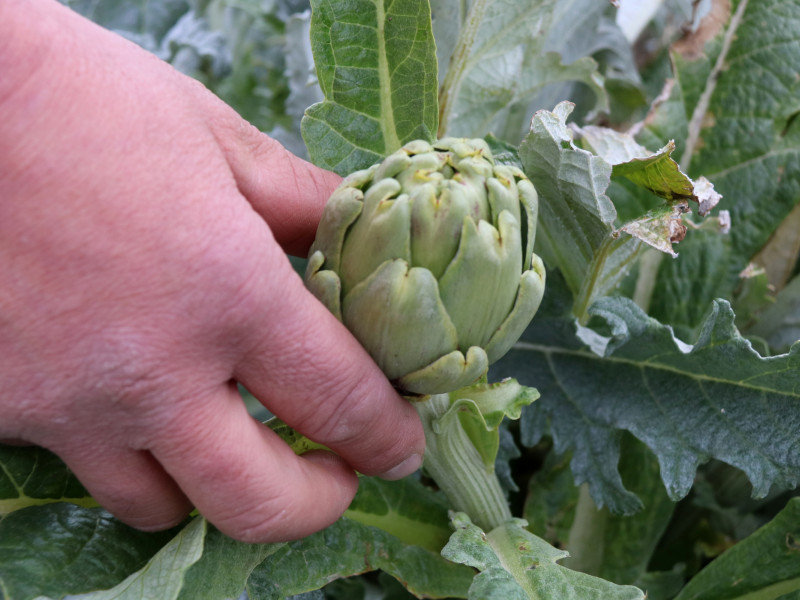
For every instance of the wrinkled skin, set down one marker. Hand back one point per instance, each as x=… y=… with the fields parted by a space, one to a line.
x=142 y=273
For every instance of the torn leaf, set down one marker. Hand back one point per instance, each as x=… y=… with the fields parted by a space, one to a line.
x=656 y=172
x=705 y=194
x=660 y=227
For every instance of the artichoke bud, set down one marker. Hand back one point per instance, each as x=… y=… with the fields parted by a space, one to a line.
x=427 y=258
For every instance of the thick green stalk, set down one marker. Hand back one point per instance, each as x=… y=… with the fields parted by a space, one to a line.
x=586 y=537
x=646 y=282
x=455 y=465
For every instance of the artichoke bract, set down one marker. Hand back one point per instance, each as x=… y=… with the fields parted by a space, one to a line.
x=427 y=258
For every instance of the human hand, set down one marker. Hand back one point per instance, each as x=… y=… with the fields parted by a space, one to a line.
x=142 y=274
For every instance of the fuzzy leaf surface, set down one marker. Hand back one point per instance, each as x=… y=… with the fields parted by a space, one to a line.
x=61 y=548
x=398 y=527
x=348 y=548
x=517 y=565
x=224 y=567
x=406 y=509
x=717 y=398
x=575 y=215
x=376 y=65
x=162 y=577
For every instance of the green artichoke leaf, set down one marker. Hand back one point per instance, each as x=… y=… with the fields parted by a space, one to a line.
x=452 y=371
x=480 y=408
x=530 y=201
x=516 y=564
x=503 y=193
x=465 y=413
x=383 y=232
x=324 y=284
x=436 y=223
x=497 y=400
x=343 y=208
x=376 y=66
x=397 y=315
x=488 y=262
x=529 y=296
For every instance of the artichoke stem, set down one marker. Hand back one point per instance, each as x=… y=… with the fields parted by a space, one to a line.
x=454 y=463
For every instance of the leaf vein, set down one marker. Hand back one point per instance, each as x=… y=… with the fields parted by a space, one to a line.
x=528 y=346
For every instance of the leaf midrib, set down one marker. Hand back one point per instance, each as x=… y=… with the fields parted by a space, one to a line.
x=702 y=106
x=549 y=350
x=389 y=130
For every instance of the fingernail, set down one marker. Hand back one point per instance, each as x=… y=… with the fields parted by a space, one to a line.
x=405 y=468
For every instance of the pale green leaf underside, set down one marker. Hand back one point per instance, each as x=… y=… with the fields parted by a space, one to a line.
x=715 y=399
x=376 y=64
x=654 y=171
x=162 y=577
x=514 y=564
x=498 y=65
x=575 y=215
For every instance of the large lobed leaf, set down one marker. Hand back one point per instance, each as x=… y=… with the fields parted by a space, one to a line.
x=717 y=398
x=376 y=65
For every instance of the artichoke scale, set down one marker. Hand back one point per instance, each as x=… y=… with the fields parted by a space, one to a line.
x=529 y=199
x=529 y=296
x=397 y=315
x=343 y=208
x=503 y=194
x=382 y=232
x=480 y=284
x=324 y=284
x=452 y=371
x=436 y=223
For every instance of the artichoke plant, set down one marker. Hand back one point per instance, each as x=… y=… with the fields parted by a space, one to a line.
x=427 y=258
